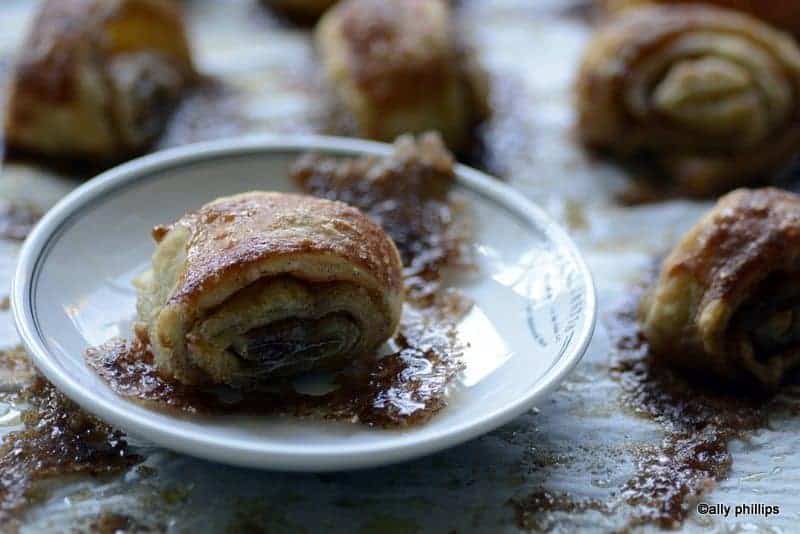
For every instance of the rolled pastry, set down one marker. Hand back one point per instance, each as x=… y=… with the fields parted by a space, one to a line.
x=711 y=95
x=260 y=285
x=96 y=79
x=394 y=66
x=302 y=10
x=782 y=14
x=727 y=301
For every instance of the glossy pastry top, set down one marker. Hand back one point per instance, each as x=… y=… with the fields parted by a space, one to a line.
x=749 y=234
x=231 y=235
x=65 y=30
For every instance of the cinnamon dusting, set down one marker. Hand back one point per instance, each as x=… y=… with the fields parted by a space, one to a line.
x=527 y=510
x=58 y=439
x=699 y=419
x=408 y=194
x=406 y=387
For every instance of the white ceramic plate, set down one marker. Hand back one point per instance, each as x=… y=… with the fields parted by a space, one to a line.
x=533 y=318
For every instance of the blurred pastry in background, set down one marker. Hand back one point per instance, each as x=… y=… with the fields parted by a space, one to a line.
x=710 y=95
x=784 y=14
x=395 y=66
x=96 y=80
x=300 y=10
x=727 y=301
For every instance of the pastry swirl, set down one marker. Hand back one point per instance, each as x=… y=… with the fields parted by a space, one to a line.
x=95 y=80
x=712 y=95
x=395 y=67
x=260 y=285
x=728 y=297
x=782 y=14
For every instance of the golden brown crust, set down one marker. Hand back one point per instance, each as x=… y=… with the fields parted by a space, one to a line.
x=236 y=232
x=92 y=77
x=729 y=263
x=396 y=66
x=749 y=234
x=265 y=284
x=784 y=14
x=397 y=50
x=713 y=95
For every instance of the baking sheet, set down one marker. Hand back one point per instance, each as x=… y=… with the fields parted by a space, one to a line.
x=580 y=446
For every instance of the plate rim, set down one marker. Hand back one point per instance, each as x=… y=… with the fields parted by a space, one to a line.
x=238 y=453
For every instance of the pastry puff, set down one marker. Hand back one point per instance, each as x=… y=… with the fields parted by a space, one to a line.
x=262 y=285
x=394 y=67
x=96 y=79
x=710 y=95
x=727 y=301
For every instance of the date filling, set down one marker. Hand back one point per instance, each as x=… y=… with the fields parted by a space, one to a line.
x=293 y=346
x=768 y=325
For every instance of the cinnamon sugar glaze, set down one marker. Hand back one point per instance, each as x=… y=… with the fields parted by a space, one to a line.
x=407 y=386
x=408 y=195
x=57 y=439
